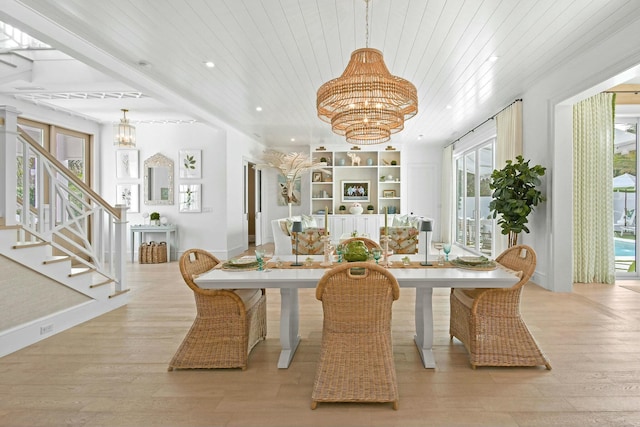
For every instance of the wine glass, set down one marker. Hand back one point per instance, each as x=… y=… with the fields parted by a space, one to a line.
x=260 y=257
x=438 y=246
x=447 y=249
x=377 y=253
x=339 y=251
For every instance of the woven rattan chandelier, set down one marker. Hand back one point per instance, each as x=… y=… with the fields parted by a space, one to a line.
x=366 y=103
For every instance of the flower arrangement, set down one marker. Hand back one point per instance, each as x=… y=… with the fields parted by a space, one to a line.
x=356 y=205
x=291 y=166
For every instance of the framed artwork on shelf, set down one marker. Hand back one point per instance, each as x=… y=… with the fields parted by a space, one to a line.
x=316 y=177
x=190 y=197
x=388 y=193
x=128 y=195
x=190 y=164
x=355 y=191
x=127 y=164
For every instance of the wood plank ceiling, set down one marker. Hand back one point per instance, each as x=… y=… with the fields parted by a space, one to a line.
x=275 y=54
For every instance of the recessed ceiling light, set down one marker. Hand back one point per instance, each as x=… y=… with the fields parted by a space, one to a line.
x=493 y=58
x=420 y=136
x=258 y=108
x=28 y=88
x=449 y=107
x=209 y=64
x=293 y=140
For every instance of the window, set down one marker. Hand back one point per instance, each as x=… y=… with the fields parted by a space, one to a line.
x=475 y=228
x=625 y=203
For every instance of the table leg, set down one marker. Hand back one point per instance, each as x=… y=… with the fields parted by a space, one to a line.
x=167 y=238
x=289 y=313
x=133 y=242
x=424 y=326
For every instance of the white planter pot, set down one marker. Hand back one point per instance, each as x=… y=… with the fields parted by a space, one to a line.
x=355 y=210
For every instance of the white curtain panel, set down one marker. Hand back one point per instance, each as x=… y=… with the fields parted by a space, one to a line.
x=508 y=147
x=447 y=212
x=593 y=131
x=508 y=134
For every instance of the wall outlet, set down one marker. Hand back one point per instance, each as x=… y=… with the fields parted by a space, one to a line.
x=47 y=329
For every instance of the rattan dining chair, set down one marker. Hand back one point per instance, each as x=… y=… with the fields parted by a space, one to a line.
x=228 y=323
x=488 y=321
x=370 y=244
x=356 y=355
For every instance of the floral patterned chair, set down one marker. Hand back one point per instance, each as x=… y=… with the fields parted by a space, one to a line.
x=402 y=239
x=309 y=242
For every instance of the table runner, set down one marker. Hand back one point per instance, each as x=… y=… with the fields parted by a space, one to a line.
x=269 y=263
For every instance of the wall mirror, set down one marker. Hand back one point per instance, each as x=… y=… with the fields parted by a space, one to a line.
x=158 y=180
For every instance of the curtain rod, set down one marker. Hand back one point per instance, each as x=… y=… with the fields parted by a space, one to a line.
x=488 y=120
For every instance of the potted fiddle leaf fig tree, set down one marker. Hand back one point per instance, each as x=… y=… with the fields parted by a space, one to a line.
x=515 y=195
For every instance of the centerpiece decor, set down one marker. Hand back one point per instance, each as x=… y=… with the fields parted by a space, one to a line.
x=515 y=195
x=356 y=251
x=291 y=167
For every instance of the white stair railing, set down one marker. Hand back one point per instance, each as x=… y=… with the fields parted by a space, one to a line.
x=58 y=207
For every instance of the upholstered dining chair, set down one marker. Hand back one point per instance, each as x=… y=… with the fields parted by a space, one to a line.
x=370 y=244
x=402 y=239
x=228 y=323
x=356 y=354
x=488 y=321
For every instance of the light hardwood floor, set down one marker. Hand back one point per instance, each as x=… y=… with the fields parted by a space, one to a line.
x=112 y=371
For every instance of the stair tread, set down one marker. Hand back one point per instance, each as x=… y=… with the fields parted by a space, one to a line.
x=57 y=258
x=101 y=283
x=21 y=245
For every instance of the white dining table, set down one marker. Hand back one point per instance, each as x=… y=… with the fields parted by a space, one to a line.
x=289 y=280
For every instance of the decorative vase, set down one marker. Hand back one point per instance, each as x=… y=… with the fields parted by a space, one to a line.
x=356 y=251
x=355 y=210
x=369 y=162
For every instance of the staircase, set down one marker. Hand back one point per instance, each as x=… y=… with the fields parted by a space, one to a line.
x=64 y=251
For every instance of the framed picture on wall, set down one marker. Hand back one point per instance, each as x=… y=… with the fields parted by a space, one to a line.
x=128 y=195
x=190 y=198
x=127 y=164
x=282 y=192
x=355 y=191
x=190 y=164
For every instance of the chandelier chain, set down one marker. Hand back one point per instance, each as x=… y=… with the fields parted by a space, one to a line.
x=366 y=20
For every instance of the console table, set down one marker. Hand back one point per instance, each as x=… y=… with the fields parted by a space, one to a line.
x=167 y=229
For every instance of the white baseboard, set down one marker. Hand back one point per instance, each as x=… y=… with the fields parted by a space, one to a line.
x=22 y=336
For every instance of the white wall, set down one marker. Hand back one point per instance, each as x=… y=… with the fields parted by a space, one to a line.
x=422 y=173
x=548 y=141
x=219 y=228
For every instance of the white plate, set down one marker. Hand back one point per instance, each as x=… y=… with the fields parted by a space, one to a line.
x=473 y=260
x=242 y=261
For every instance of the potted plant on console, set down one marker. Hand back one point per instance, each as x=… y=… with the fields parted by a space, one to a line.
x=515 y=195
x=370 y=209
x=155 y=218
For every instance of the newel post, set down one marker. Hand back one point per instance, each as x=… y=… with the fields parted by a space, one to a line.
x=8 y=174
x=120 y=248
